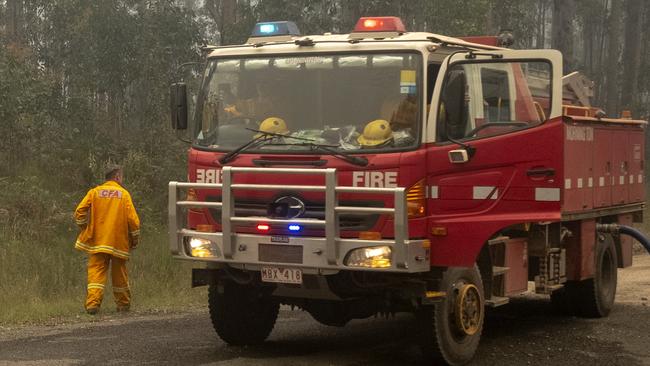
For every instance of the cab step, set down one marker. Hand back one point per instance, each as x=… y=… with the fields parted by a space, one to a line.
x=496 y=301
x=498 y=271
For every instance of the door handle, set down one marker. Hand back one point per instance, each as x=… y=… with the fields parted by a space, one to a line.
x=541 y=172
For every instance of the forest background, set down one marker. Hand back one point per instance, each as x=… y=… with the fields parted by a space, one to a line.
x=84 y=83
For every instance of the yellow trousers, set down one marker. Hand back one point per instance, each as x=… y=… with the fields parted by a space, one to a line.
x=98 y=264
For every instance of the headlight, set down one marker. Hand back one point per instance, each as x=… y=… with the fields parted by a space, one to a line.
x=203 y=248
x=371 y=257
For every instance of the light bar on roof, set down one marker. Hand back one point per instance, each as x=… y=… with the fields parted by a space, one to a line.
x=379 y=24
x=272 y=29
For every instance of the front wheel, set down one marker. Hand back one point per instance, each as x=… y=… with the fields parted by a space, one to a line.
x=451 y=329
x=242 y=315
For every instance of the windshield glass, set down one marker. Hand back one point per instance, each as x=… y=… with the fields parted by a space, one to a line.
x=347 y=102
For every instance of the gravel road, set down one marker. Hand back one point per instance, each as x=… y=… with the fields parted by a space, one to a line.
x=522 y=333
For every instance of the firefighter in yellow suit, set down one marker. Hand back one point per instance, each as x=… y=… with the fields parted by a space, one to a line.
x=110 y=229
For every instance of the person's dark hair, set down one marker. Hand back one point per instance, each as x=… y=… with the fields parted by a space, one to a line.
x=112 y=171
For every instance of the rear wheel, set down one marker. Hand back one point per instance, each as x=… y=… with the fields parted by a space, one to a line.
x=594 y=297
x=451 y=329
x=242 y=315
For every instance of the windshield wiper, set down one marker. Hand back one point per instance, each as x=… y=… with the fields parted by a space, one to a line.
x=331 y=150
x=233 y=154
x=263 y=138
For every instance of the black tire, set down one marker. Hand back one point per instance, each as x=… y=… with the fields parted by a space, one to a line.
x=242 y=315
x=442 y=340
x=561 y=303
x=330 y=313
x=565 y=301
x=594 y=298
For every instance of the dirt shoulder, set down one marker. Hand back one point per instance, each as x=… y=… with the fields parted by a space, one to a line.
x=524 y=332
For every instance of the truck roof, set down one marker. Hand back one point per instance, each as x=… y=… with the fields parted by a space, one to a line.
x=343 y=42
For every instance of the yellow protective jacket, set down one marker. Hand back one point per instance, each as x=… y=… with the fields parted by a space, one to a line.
x=109 y=221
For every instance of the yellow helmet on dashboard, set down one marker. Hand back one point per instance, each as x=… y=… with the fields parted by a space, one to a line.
x=273 y=125
x=375 y=133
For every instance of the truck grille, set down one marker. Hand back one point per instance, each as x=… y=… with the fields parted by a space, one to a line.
x=313 y=210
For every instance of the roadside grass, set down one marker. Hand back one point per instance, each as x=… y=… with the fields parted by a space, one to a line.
x=40 y=281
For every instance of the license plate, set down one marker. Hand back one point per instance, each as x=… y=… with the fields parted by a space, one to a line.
x=281 y=275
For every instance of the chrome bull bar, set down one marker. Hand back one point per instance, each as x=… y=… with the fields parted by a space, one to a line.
x=408 y=255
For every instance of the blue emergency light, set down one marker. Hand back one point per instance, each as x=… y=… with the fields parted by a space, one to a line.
x=294 y=228
x=270 y=29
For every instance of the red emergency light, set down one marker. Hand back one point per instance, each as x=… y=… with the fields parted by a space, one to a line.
x=380 y=24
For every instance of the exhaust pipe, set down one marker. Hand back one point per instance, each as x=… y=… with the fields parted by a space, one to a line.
x=625 y=230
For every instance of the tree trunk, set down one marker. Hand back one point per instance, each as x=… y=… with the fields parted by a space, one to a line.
x=562 y=31
x=631 y=53
x=350 y=13
x=228 y=18
x=612 y=77
x=14 y=21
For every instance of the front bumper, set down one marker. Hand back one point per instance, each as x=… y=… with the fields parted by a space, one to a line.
x=319 y=255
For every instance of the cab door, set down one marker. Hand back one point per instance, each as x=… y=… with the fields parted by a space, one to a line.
x=494 y=156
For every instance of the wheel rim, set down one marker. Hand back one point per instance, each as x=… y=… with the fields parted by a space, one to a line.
x=468 y=310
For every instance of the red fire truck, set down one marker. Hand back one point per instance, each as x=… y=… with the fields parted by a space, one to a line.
x=388 y=171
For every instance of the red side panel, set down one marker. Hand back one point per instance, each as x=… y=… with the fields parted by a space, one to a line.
x=635 y=178
x=620 y=153
x=516 y=259
x=580 y=251
x=602 y=164
x=578 y=179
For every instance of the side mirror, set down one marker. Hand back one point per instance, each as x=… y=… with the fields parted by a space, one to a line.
x=178 y=103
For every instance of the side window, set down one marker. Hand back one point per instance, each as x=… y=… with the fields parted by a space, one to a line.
x=481 y=99
x=496 y=95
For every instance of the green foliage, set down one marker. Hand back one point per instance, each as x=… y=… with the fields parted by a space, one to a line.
x=45 y=279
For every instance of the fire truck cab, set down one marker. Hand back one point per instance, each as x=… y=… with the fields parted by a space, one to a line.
x=388 y=171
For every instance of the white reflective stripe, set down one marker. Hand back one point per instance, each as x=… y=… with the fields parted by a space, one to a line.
x=434 y=192
x=640 y=178
x=590 y=182
x=101 y=249
x=613 y=181
x=601 y=181
x=81 y=222
x=120 y=289
x=547 y=194
x=96 y=285
x=135 y=233
x=567 y=183
x=579 y=183
x=631 y=179
x=485 y=192
x=621 y=180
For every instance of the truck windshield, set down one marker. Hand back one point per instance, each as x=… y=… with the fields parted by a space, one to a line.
x=348 y=102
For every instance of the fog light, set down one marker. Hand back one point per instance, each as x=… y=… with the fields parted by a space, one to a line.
x=371 y=257
x=203 y=248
